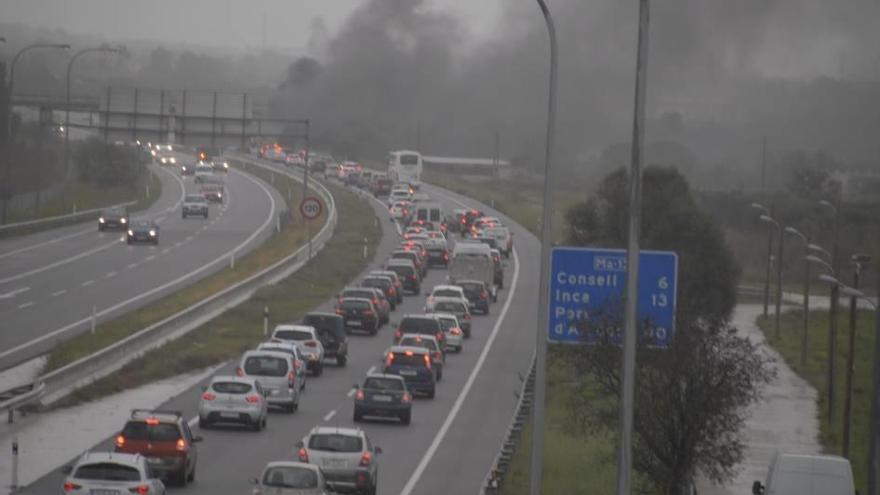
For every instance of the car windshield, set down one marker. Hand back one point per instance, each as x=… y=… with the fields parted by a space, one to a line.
x=265 y=366
x=107 y=471
x=383 y=384
x=142 y=224
x=331 y=442
x=290 y=477
x=471 y=287
x=113 y=213
x=161 y=432
x=409 y=159
x=231 y=387
x=322 y=322
x=293 y=334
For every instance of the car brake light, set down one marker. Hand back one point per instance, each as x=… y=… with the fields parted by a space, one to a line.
x=406 y=397
x=397 y=334
x=274 y=339
x=253 y=398
x=297 y=364
x=340 y=311
x=391 y=290
x=291 y=378
x=239 y=371
x=120 y=441
x=412 y=277
x=389 y=359
x=455 y=331
x=70 y=486
x=208 y=396
x=375 y=301
x=483 y=295
x=181 y=445
x=467 y=316
x=359 y=395
x=428 y=361
x=142 y=489
x=437 y=355
x=312 y=343
x=151 y=421
x=303 y=455
x=366 y=458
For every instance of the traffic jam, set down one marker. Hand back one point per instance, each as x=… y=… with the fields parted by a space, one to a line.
x=463 y=249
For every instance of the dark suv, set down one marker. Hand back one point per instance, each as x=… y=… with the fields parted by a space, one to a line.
x=381 y=186
x=359 y=313
x=113 y=218
x=408 y=274
x=331 y=332
x=385 y=284
x=164 y=438
x=476 y=293
x=422 y=325
x=414 y=256
x=414 y=365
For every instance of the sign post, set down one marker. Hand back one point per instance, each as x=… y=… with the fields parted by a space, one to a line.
x=310 y=208
x=588 y=284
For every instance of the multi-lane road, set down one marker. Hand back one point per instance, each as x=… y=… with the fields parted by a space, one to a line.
x=453 y=438
x=52 y=282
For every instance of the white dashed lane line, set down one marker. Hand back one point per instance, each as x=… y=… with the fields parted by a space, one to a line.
x=351 y=392
x=11 y=294
x=330 y=415
x=132 y=266
x=166 y=250
x=87 y=283
x=25 y=305
x=150 y=257
x=111 y=274
x=59 y=292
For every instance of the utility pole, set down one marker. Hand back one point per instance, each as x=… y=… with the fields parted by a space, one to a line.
x=764 y=168
x=769 y=263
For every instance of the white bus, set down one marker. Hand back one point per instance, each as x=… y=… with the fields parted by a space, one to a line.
x=406 y=167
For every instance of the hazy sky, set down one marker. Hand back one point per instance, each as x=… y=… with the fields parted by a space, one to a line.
x=213 y=22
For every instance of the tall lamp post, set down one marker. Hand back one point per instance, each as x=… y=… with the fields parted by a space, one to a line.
x=858 y=261
x=806 y=319
x=94 y=49
x=771 y=221
x=546 y=240
x=763 y=209
x=832 y=332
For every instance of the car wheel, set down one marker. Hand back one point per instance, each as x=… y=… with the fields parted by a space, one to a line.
x=204 y=423
x=183 y=215
x=128 y=241
x=431 y=393
x=405 y=418
x=206 y=215
x=486 y=310
x=182 y=477
x=320 y=369
x=357 y=417
x=192 y=475
x=293 y=407
x=257 y=425
x=439 y=375
x=100 y=229
x=340 y=361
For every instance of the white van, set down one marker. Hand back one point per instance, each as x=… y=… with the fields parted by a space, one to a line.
x=429 y=212
x=406 y=167
x=807 y=474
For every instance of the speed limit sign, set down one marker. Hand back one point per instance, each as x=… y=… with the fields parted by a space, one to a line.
x=311 y=208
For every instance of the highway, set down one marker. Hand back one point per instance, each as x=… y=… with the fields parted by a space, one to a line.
x=52 y=281
x=453 y=438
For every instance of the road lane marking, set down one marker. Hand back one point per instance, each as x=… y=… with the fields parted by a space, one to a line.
x=166 y=250
x=133 y=265
x=58 y=263
x=351 y=392
x=111 y=274
x=11 y=294
x=59 y=292
x=46 y=243
x=371 y=370
x=441 y=434
x=188 y=238
x=87 y=283
x=330 y=415
x=150 y=257
x=270 y=218
x=25 y=305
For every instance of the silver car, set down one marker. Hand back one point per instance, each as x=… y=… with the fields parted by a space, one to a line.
x=111 y=472
x=306 y=338
x=277 y=375
x=299 y=360
x=233 y=399
x=346 y=457
x=289 y=478
x=454 y=334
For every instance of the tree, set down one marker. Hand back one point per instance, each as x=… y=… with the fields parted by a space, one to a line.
x=106 y=165
x=692 y=398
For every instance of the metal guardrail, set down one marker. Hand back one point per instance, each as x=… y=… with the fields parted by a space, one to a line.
x=64 y=380
x=495 y=477
x=18 y=396
x=30 y=223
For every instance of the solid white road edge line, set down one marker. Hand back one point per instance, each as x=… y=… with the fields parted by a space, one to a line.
x=11 y=294
x=25 y=305
x=429 y=454
x=223 y=257
x=330 y=415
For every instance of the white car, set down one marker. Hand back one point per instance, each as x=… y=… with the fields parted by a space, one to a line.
x=306 y=338
x=399 y=195
x=233 y=399
x=345 y=455
x=503 y=239
x=299 y=362
x=111 y=472
x=399 y=210
x=444 y=291
x=452 y=329
x=277 y=375
x=204 y=173
x=289 y=478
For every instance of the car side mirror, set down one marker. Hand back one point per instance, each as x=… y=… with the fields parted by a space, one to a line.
x=300 y=444
x=253 y=481
x=197 y=439
x=757 y=488
x=356 y=386
x=67 y=469
x=377 y=450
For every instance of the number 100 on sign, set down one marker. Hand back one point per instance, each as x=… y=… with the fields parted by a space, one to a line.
x=587 y=289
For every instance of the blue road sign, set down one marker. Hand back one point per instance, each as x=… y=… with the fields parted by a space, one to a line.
x=587 y=289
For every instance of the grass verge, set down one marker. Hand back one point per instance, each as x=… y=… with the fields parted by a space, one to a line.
x=788 y=344
x=291 y=236
x=240 y=328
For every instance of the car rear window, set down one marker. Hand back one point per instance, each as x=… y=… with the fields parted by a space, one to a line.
x=355 y=304
x=293 y=335
x=290 y=477
x=419 y=325
x=449 y=307
x=107 y=471
x=376 y=282
x=231 y=387
x=470 y=287
x=322 y=322
x=140 y=430
x=403 y=359
x=383 y=384
x=447 y=293
x=414 y=342
x=366 y=294
x=402 y=271
x=332 y=442
x=447 y=323
x=265 y=366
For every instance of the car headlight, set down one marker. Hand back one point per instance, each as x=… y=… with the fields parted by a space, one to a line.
x=152 y=232
x=130 y=232
x=162 y=160
x=153 y=152
x=225 y=165
x=123 y=220
x=101 y=220
x=173 y=160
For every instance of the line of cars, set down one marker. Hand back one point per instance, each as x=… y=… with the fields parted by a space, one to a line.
x=273 y=375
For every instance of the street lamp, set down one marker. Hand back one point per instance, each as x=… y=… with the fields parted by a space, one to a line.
x=806 y=320
x=858 y=260
x=765 y=211
x=770 y=220
x=819 y=249
x=102 y=48
x=835 y=303
x=546 y=241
